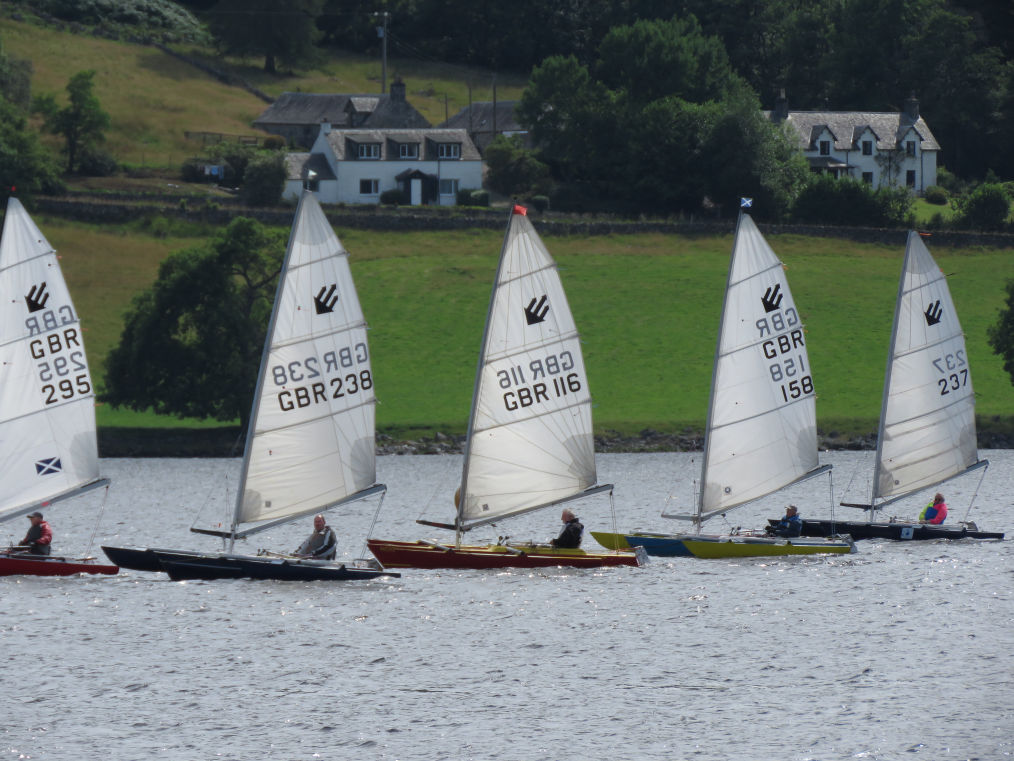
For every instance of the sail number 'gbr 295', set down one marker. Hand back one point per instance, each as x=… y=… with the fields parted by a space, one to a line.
x=56 y=349
x=784 y=346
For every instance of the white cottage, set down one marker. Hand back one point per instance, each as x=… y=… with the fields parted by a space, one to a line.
x=883 y=149
x=353 y=166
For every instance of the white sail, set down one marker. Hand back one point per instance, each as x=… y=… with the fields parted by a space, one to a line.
x=530 y=435
x=312 y=429
x=928 y=418
x=762 y=423
x=48 y=445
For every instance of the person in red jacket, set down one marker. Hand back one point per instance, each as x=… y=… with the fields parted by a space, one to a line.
x=39 y=538
x=935 y=512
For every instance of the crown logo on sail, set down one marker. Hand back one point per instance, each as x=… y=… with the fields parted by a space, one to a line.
x=934 y=313
x=536 y=312
x=325 y=302
x=37 y=298
x=772 y=298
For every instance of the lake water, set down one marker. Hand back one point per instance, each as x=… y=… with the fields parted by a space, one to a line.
x=900 y=651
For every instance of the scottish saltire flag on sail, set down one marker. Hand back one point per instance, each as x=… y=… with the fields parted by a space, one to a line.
x=48 y=445
x=745 y=203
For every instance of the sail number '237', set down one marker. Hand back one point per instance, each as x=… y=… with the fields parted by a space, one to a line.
x=953 y=370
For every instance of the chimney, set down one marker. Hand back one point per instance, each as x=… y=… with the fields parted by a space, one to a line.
x=781 y=112
x=912 y=108
x=398 y=90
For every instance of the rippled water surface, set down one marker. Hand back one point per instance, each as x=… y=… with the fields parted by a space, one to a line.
x=899 y=651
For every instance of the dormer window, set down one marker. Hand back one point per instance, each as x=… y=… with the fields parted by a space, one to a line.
x=867 y=147
x=449 y=151
x=408 y=150
x=825 y=147
x=369 y=151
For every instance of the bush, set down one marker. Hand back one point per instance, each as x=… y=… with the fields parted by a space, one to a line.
x=540 y=203
x=464 y=197
x=95 y=162
x=264 y=180
x=949 y=182
x=274 y=143
x=394 y=197
x=192 y=170
x=826 y=200
x=479 y=198
x=935 y=195
x=985 y=208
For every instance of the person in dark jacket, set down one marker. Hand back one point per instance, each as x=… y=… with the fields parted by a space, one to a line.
x=790 y=525
x=570 y=537
x=39 y=538
x=321 y=544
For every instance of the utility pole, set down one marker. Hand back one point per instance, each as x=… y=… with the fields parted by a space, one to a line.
x=382 y=34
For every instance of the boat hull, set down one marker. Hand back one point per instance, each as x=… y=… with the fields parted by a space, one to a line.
x=658 y=545
x=140 y=558
x=184 y=567
x=422 y=555
x=706 y=546
x=23 y=564
x=898 y=530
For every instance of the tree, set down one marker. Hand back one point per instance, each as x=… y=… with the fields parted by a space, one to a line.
x=191 y=344
x=82 y=122
x=264 y=180
x=1001 y=335
x=513 y=169
x=26 y=167
x=985 y=208
x=282 y=32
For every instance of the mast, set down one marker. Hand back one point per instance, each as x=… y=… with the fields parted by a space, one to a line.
x=887 y=377
x=251 y=425
x=698 y=522
x=463 y=489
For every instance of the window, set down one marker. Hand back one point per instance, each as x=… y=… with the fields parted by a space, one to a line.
x=910 y=147
x=312 y=184
x=448 y=187
x=910 y=178
x=449 y=150
x=369 y=150
x=868 y=178
x=408 y=150
x=825 y=147
x=369 y=187
x=867 y=147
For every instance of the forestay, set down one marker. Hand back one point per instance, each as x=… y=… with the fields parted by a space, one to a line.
x=311 y=440
x=762 y=427
x=927 y=427
x=530 y=433
x=48 y=447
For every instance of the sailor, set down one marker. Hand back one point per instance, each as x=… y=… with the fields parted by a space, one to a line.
x=935 y=512
x=790 y=525
x=570 y=537
x=321 y=544
x=39 y=538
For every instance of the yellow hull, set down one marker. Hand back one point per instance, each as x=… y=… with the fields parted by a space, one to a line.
x=750 y=547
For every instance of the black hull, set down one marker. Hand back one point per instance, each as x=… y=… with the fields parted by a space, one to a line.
x=142 y=558
x=892 y=530
x=210 y=567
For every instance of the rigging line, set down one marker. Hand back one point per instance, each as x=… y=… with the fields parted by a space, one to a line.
x=98 y=520
x=975 y=494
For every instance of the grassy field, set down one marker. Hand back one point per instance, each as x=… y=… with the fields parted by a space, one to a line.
x=647 y=307
x=154 y=98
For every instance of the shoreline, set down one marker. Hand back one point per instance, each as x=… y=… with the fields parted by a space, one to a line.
x=227 y=442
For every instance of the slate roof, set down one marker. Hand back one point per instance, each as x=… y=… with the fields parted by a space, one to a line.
x=338 y=139
x=297 y=165
x=848 y=127
x=300 y=108
x=482 y=113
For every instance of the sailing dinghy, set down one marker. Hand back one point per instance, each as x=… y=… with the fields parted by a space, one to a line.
x=48 y=446
x=761 y=433
x=310 y=440
x=927 y=421
x=529 y=444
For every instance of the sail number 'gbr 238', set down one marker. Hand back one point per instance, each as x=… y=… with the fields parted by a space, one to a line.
x=335 y=375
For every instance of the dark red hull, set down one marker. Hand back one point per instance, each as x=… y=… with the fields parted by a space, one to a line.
x=18 y=564
x=421 y=555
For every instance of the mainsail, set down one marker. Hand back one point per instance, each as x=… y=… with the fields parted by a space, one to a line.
x=762 y=422
x=310 y=443
x=48 y=446
x=530 y=430
x=927 y=423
